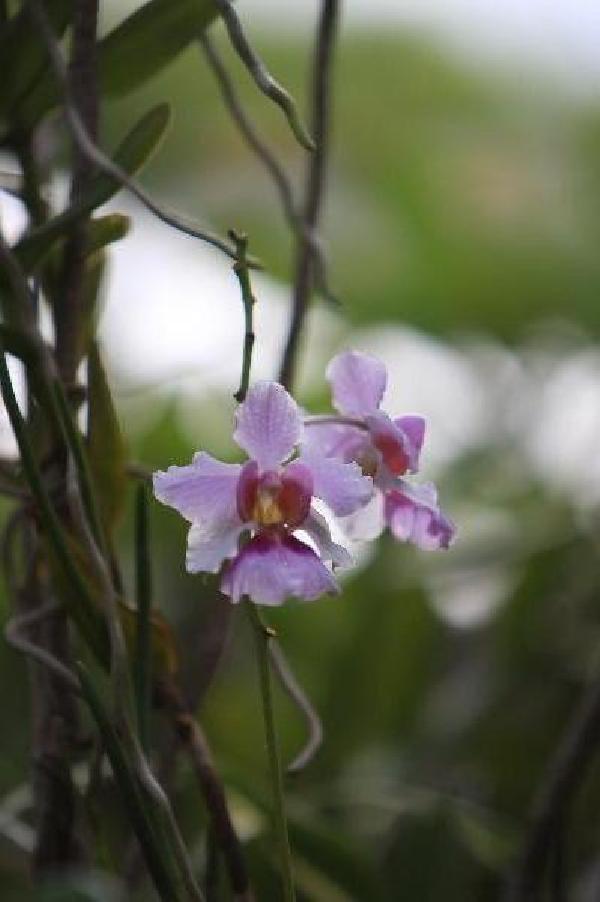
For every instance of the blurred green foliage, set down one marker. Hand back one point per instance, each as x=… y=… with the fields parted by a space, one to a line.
x=456 y=203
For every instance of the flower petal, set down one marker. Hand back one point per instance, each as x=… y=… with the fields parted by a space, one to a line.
x=413 y=515
x=357 y=381
x=246 y=489
x=414 y=427
x=204 y=491
x=317 y=528
x=366 y=524
x=400 y=454
x=340 y=485
x=270 y=569
x=336 y=440
x=206 y=551
x=268 y=424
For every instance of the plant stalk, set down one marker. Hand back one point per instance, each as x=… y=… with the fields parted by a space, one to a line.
x=263 y=635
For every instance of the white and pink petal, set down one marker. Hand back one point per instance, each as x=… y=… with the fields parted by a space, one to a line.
x=358 y=382
x=203 y=491
x=342 y=486
x=413 y=427
x=271 y=568
x=317 y=529
x=336 y=440
x=413 y=515
x=366 y=524
x=206 y=551
x=268 y=424
x=400 y=455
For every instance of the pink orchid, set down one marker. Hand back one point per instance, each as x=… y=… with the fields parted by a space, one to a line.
x=386 y=449
x=267 y=500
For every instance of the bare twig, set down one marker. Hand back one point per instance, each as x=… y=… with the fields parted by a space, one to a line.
x=8 y=551
x=304 y=276
x=558 y=787
x=269 y=161
x=13 y=633
x=30 y=193
x=156 y=792
x=296 y=693
x=97 y=156
x=263 y=79
x=248 y=130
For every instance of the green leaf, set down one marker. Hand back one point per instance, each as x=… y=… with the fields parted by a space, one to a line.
x=76 y=446
x=148 y=40
x=101 y=231
x=95 y=267
x=139 y=48
x=23 y=52
x=143 y=819
x=141 y=142
x=105 y=230
x=106 y=447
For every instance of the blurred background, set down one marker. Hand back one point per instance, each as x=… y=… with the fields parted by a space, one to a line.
x=463 y=230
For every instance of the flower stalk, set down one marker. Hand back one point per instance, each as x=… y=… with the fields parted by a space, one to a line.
x=242 y=273
x=263 y=635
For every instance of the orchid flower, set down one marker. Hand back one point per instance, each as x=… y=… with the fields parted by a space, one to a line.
x=266 y=502
x=386 y=449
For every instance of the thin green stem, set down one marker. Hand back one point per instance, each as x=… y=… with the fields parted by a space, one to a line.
x=242 y=271
x=263 y=635
x=75 y=444
x=143 y=659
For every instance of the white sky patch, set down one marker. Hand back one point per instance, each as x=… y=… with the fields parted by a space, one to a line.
x=174 y=312
x=469 y=598
x=557 y=38
x=13 y=218
x=565 y=437
x=464 y=595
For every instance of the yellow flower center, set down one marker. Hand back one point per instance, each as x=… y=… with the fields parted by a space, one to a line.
x=266 y=510
x=369 y=462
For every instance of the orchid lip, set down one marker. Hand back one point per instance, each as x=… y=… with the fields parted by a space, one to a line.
x=275 y=498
